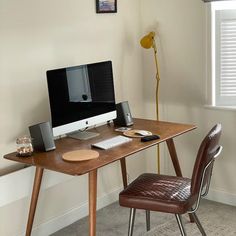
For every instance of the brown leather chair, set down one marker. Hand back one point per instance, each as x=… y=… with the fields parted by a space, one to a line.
x=172 y=194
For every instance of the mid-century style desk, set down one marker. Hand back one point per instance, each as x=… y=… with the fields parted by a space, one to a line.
x=53 y=160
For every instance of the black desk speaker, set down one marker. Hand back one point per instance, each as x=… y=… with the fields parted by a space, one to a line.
x=42 y=137
x=124 y=117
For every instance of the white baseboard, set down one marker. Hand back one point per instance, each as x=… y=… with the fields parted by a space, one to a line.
x=222 y=197
x=73 y=215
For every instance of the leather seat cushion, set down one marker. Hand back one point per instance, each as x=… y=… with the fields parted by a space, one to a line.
x=162 y=193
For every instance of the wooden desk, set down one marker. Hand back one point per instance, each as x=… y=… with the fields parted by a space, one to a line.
x=53 y=160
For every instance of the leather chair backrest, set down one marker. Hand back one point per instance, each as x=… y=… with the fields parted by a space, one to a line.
x=206 y=152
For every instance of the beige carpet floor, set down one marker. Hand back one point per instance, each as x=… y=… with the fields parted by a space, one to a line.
x=217 y=220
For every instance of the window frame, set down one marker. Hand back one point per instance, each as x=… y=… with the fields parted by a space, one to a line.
x=211 y=84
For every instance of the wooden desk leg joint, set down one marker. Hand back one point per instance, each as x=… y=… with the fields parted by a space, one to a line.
x=34 y=198
x=174 y=157
x=124 y=172
x=92 y=202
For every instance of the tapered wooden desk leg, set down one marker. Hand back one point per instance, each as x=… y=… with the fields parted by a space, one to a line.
x=175 y=161
x=174 y=157
x=124 y=172
x=92 y=202
x=34 y=198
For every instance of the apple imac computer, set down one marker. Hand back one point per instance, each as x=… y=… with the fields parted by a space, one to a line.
x=81 y=96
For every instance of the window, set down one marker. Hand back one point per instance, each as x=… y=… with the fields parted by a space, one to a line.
x=223 y=35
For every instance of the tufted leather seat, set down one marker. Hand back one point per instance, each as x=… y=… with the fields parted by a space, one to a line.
x=172 y=194
x=162 y=193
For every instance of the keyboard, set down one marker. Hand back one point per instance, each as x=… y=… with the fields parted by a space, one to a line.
x=112 y=142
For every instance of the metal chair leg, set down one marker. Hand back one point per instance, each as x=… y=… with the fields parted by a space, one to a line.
x=131 y=221
x=148 y=220
x=198 y=224
x=180 y=224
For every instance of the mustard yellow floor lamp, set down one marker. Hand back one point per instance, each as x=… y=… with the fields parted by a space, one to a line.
x=148 y=41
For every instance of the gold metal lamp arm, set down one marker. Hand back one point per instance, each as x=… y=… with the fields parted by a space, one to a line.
x=157 y=100
x=147 y=42
x=157 y=78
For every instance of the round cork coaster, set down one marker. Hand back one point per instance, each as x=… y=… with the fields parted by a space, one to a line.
x=80 y=155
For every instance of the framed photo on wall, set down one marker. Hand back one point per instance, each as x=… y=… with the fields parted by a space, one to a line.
x=106 y=6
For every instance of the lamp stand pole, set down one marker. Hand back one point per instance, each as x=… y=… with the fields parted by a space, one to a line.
x=157 y=100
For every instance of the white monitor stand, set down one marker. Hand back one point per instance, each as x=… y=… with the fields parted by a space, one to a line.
x=83 y=135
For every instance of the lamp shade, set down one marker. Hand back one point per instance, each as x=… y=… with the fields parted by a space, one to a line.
x=147 y=40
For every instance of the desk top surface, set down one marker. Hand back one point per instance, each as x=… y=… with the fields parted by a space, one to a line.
x=53 y=160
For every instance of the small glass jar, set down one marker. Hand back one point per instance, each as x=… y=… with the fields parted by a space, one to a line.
x=24 y=146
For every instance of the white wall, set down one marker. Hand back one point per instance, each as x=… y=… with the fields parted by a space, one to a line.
x=182 y=56
x=41 y=35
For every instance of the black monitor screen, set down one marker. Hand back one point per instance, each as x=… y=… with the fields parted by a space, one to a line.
x=80 y=92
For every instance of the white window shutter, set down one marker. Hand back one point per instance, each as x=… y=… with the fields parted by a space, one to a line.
x=225 y=58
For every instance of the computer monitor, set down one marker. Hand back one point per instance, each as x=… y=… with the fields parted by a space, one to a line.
x=81 y=96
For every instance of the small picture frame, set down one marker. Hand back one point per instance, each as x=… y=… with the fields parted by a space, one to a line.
x=106 y=6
